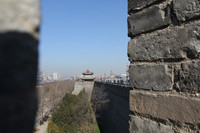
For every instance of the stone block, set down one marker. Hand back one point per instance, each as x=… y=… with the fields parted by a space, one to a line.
x=150 y=19
x=134 y=5
x=168 y=45
x=138 y=125
x=23 y=15
x=166 y=107
x=187 y=76
x=186 y=9
x=151 y=77
x=19 y=27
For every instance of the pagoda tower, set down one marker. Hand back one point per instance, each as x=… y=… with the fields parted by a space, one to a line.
x=86 y=81
x=87 y=76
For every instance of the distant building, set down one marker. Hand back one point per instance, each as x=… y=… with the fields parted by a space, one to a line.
x=55 y=76
x=71 y=78
x=87 y=76
x=85 y=81
x=49 y=78
x=44 y=78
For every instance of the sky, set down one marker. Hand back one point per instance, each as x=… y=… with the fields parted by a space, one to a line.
x=76 y=35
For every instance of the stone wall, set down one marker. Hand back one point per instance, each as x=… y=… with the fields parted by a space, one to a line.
x=19 y=26
x=164 y=52
x=80 y=85
x=114 y=116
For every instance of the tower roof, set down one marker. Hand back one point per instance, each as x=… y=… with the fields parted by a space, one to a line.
x=88 y=73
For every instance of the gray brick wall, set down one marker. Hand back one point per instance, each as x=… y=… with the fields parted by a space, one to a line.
x=164 y=52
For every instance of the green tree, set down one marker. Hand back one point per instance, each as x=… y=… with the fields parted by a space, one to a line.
x=74 y=115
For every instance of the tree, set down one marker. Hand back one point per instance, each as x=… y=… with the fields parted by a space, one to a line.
x=51 y=94
x=74 y=114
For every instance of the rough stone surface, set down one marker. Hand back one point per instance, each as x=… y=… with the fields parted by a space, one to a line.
x=147 y=20
x=20 y=15
x=187 y=76
x=169 y=44
x=156 y=77
x=165 y=106
x=138 y=125
x=186 y=9
x=164 y=53
x=19 y=25
x=134 y=5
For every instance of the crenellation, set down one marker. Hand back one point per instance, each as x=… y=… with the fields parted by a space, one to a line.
x=19 y=37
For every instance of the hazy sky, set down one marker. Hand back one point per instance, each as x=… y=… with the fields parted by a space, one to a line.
x=77 y=35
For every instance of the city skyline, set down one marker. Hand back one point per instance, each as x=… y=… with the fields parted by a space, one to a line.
x=81 y=35
x=60 y=76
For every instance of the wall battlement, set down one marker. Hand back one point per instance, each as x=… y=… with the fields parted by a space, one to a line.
x=114 y=116
x=164 y=52
x=19 y=64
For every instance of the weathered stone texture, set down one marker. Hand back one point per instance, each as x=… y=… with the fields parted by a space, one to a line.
x=134 y=5
x=186 y=9
x=147 y=20
x=155 y=77
x=167 y=107
x=169 y=44
x=138 y=125
x=19 y=25
x=164 y=53
x=187 y=77
x=20 y=15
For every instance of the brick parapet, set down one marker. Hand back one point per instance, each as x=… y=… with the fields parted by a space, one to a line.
x=164 y=52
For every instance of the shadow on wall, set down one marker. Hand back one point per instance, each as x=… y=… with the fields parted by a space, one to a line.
x=18 y=70
x=114 y=116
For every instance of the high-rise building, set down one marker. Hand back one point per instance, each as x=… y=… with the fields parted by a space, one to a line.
x=55 y=76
